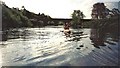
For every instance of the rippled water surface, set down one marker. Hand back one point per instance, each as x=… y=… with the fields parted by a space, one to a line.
x=49 y=46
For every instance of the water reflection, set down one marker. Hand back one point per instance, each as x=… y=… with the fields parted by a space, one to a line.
x=74 y=35
x=14 y=34
x=100 y=37
x=23 y=33
x=49 y=46
x=97 y=38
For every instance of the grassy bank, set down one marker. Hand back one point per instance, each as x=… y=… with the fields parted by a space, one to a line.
x=16 y=18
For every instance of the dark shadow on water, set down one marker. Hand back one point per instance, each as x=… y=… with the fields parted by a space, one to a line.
x=99 y=38
x=22 y=33
x=14 y=34
x=75 y=36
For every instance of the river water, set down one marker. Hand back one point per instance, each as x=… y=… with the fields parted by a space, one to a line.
x=49 y=46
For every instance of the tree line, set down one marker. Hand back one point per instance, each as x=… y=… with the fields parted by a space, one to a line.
x=16 y=18
x=101 y=16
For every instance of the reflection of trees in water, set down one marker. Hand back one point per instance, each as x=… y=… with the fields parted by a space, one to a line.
x=75 y=36
x=97 y=37
x=3 y=36
x=14 y=34
x=100 y=36
x=104 y=29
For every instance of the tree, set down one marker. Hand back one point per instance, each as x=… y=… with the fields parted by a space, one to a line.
x=77 y=16
x=23 y=7
x=99 y=11
x=115 y=12
x=38 y=14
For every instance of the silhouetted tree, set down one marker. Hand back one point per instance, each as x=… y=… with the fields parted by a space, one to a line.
x=115 y=12
x=77 y=15
x=23 y=7
x=99 y=11
x=38 y=14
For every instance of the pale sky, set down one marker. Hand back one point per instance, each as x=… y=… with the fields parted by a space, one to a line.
x=56 y=8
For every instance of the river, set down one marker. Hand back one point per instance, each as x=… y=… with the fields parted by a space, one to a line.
x=49 y=46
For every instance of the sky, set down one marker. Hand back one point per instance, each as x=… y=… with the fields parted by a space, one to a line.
x=56 y=8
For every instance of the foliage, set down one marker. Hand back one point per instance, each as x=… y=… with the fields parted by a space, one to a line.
x=99 y=11
x=105 y=20
x=77 y=15
x=14 y=18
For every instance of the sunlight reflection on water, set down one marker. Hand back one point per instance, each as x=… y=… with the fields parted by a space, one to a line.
x=48 y=46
